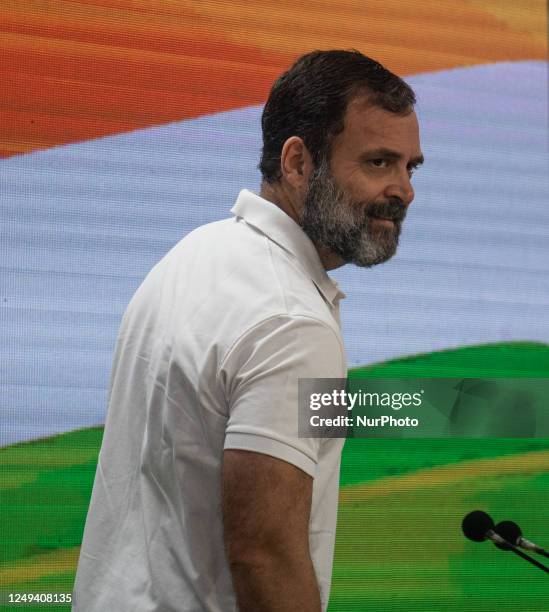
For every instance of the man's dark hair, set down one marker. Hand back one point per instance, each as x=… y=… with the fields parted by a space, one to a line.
x=310 y=99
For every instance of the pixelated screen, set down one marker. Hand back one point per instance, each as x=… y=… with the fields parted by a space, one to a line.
x=128 y=123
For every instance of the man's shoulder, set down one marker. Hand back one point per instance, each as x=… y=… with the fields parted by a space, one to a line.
x=208 y=231
x=217 y=241
x=251 y=267
x=226 y=277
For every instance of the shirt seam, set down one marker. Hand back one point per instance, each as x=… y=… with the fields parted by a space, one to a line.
x=276 y=274
x=294 y=316
x=259 y=433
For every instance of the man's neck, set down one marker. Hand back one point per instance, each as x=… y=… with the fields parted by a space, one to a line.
x=278 y=196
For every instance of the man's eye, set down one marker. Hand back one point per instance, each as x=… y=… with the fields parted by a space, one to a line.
x=379 y=163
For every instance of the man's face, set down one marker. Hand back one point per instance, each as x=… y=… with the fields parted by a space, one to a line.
x=356 y=202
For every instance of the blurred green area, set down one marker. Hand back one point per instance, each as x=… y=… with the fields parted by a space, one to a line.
x=399 y=548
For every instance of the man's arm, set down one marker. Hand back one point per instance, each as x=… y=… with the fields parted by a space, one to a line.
x=266 y=508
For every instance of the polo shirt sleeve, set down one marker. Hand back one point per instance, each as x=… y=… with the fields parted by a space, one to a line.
x=260 y=374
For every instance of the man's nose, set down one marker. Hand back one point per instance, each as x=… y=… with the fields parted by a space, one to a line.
x=401 y=187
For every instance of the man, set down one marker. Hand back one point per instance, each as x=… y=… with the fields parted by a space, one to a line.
x=205 y=497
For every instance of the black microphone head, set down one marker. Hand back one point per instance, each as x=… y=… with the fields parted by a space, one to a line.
x=476 y=524
x=508 y=531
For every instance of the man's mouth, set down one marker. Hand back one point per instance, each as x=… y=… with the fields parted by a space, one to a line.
x=389 y=213
x=385 y=220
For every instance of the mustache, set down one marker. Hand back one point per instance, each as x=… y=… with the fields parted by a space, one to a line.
x=393 y=209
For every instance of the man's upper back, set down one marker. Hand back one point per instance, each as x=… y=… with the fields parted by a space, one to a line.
x=207 y=358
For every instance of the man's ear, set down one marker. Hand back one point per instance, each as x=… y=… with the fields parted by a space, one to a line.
x=296 y=163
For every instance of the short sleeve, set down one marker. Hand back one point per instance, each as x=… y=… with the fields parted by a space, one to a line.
x=260 y=375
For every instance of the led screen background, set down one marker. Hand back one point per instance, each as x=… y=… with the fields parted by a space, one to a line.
x=126 y=124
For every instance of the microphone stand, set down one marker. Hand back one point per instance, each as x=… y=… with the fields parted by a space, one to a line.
x=529 y=558
x=497 y=539
x=479 y=526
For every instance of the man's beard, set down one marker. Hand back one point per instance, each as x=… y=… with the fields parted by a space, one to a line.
x=333 y=220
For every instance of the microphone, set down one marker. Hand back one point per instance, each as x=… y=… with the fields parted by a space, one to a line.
x=479 y=526
x=511 y=532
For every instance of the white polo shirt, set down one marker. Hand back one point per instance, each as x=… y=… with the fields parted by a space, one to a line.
x=208 y=357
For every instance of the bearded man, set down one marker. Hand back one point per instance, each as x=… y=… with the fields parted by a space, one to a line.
x=205 y=496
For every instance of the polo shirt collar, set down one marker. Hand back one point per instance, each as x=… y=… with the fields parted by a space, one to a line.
x=279 y=227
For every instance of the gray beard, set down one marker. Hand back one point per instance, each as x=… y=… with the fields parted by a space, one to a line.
x=333 y=220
